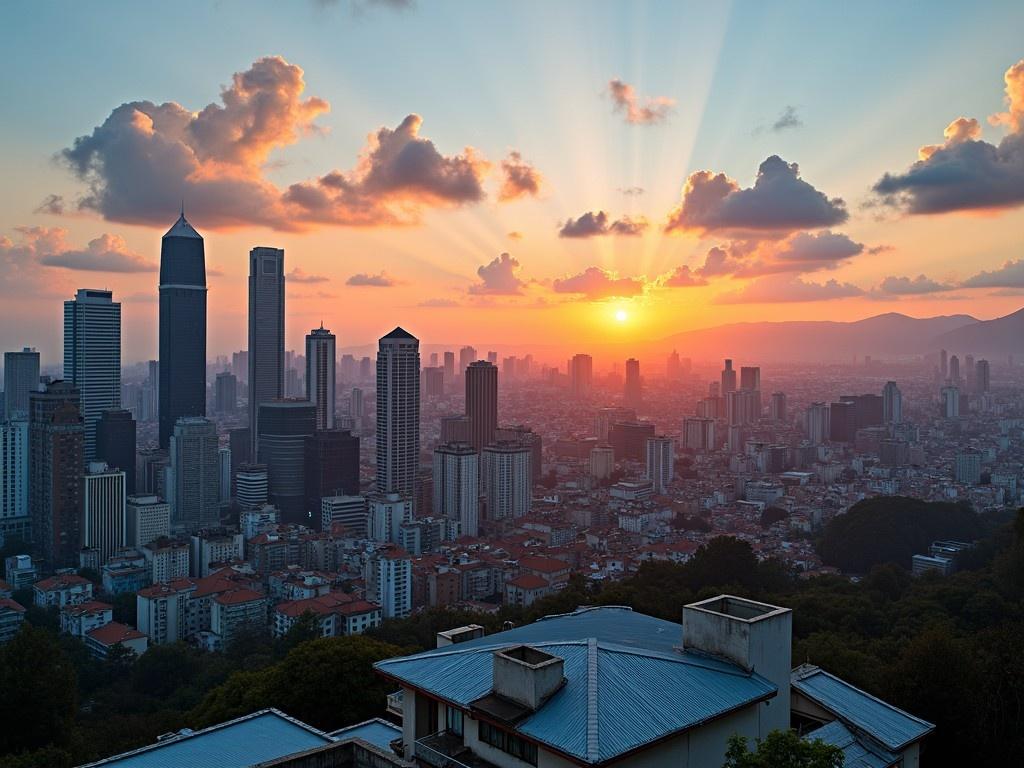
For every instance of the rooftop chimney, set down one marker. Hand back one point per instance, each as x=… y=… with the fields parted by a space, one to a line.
x=459 y=635
x=756 y=636
x=527 y=675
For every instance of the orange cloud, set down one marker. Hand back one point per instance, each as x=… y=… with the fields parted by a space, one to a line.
x=595 y=284
x=639 y=111
x=521 y=178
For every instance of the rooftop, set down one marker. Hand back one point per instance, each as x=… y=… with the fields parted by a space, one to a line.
x=627 y=685
x=114 y=633
x=378 y=732
x=182 y=228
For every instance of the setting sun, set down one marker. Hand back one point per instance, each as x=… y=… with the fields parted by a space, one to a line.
x=621 y=315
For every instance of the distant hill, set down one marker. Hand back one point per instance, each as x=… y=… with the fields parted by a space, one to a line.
x=988 y=338
x=889 y=334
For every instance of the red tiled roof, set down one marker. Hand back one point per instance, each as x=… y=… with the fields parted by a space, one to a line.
x=6 y=602
x=528 y=581
x=238 y=596
x=543 y=564
x=357 y=607
x=61 y=580
x=91 y=606
x=114 y=633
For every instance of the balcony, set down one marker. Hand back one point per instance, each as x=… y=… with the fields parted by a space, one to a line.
x=395 y=703
x=446 y=750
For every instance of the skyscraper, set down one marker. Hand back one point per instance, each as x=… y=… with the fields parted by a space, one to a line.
x=14 y=510
x=398 y=413
x=103 y=509
x=954 y=370
x=943 y=364
x=266 y=332
x=728 y=378
x=457 y=486
x=320 y=367
x=950 y=402
x=523 y=435
x=777 y=407
x=581 y=375
x=21 y=376
x=56 y=461
x=633 y=391
x=482 y=402
x=182 y=327
x=449 y=366
x=331 y=467
x=115 y=444
x=433 y=382
x=507 y=480
x=892 y=403
x=195 y=468
x=673 y=366
x=982 y=376
x=660 y=464
x=225 y=394
x=699 y=434
x=818 y=422
x=466 y=356
x=284 y=427
x=750 y=377
x=92 y=356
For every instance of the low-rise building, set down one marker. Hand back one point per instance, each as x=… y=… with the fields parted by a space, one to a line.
x=12 y=614
x=102 y=640
x=79 y=620
x=62 y=589
x=233 y=612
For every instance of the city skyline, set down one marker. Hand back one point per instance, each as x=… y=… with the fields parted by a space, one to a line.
x=605 y=241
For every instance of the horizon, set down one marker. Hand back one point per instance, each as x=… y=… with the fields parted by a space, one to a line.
x=655 y=184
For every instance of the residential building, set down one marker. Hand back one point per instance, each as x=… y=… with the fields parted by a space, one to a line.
x=62 y=589
x=15 y=521
x=456 y=486
x=147 y=519
x=386 y=513
x=165 y=613
x=12 y=616
x=79 y=619
x=195 y=468
x=212 y=548
x=660 y=464
x=234 y=612
x=507 y=480
x=167 y=560
x=102 y=640
x=103 y=509
x=398 y=413
x=389 y=582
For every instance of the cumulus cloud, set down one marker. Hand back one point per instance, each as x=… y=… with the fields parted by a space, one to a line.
x=799 y=253
x=966 y=173
x=299 y=275
x=808 y=251
x=779 y=202
x=907 y=286
x=597 y=223
x=787 y=120
x=595 y=283
x=145 y=158
x=777 y=289
x=106 y=253
x=636 y=110
x=500 y=277
x=1010 y=275
x=520 y=178
x=682 y=277
x=378 y=280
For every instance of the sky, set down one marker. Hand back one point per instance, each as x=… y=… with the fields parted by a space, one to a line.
x=514 y=175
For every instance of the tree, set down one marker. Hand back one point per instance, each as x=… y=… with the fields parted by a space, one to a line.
x=782 y=749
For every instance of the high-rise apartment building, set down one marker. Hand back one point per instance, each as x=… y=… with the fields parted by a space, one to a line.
x=892 y=403
x=284 y=427
x=507 y=480
x=950 y=402
x=147 y=518
x=581 y=375
x=743 y=407
x=266 y=333
x=195 y=470
x=633 y=390
x=660 y=464
x=527 y=437
x=602 y=462
x=728 y=379
x=15 y=522
x=466 y=356
x=456 y=482
x=115 y=444
x=433 y=382
x=449 y=366
x=968 y=467
x=182 y=370
x=750 y=377
x=699 y=434
x=982 y=376
x=386 y=513
x=56 y=461
x=389 y=582
x=482 y=402
x=320 y=368
x=777 y=407
x=103 y=509
x=21 y=376
x=92 y=356
x=817 y=421
x=629 y=439
x=398 y=413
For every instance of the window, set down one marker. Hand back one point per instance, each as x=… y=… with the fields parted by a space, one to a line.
x=453 y=720
x=508 y=742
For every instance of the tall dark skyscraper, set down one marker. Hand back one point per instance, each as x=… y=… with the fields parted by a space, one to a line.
x=581 y=375
x=115 y=444
x=56 y=464
x=92 y=356
x=21 y=376
x=728 y=378
x=266 y=332
x=320 y=370
x=182 y=327
x=482 y=402
x=331 y=468
x=750 y=377
x=398 y=413
x=633 y=392
x=284 y=427
x=225 y=393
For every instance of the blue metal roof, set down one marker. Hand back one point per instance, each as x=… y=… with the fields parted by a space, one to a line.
x=887 y=724
x=378 y=732
x=625 y=687
x=255 y=738
x=856 y=753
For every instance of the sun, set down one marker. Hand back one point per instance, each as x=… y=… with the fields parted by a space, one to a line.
x=621 y=315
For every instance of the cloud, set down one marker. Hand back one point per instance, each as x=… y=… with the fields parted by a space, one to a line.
x=379 y=280
x=779 y=202
x=520 y=178
x=106 y=253
x=146 y=158
x=52 y=204
x=776 y=289
x=500 y=277
x=438 y=303
x=965 y=173
x=515 y=235
x=799 y=253
x=299 y=275
x=809 y=251
x=682 y=277
x=917 y=286
x=787 y=120
x=639 y=111
x=876 y=249
x=595 y=283
x=1010 y=275
x=594 y=224
x=631 y=191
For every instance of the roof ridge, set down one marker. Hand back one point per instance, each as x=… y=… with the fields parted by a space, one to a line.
x=593 y=720
x=875 y=698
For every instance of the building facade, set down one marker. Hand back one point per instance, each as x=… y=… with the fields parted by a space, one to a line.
x=266 y=332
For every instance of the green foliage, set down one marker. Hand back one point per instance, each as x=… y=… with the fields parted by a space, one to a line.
x=125 y=607
x=782 y=749
x=47 y=757
x=891 y=529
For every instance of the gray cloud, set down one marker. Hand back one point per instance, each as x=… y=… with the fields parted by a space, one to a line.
x=299 y=275
x=520 y=178
x=907 y=286
x=595 y=224
x=499 y=277
x=788 y=120
x=379 y=280
x=1010 y=275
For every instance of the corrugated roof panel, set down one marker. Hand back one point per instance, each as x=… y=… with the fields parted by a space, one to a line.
x=855 y=754
x=891 y=726
x=253 y=739
x=378 y=732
